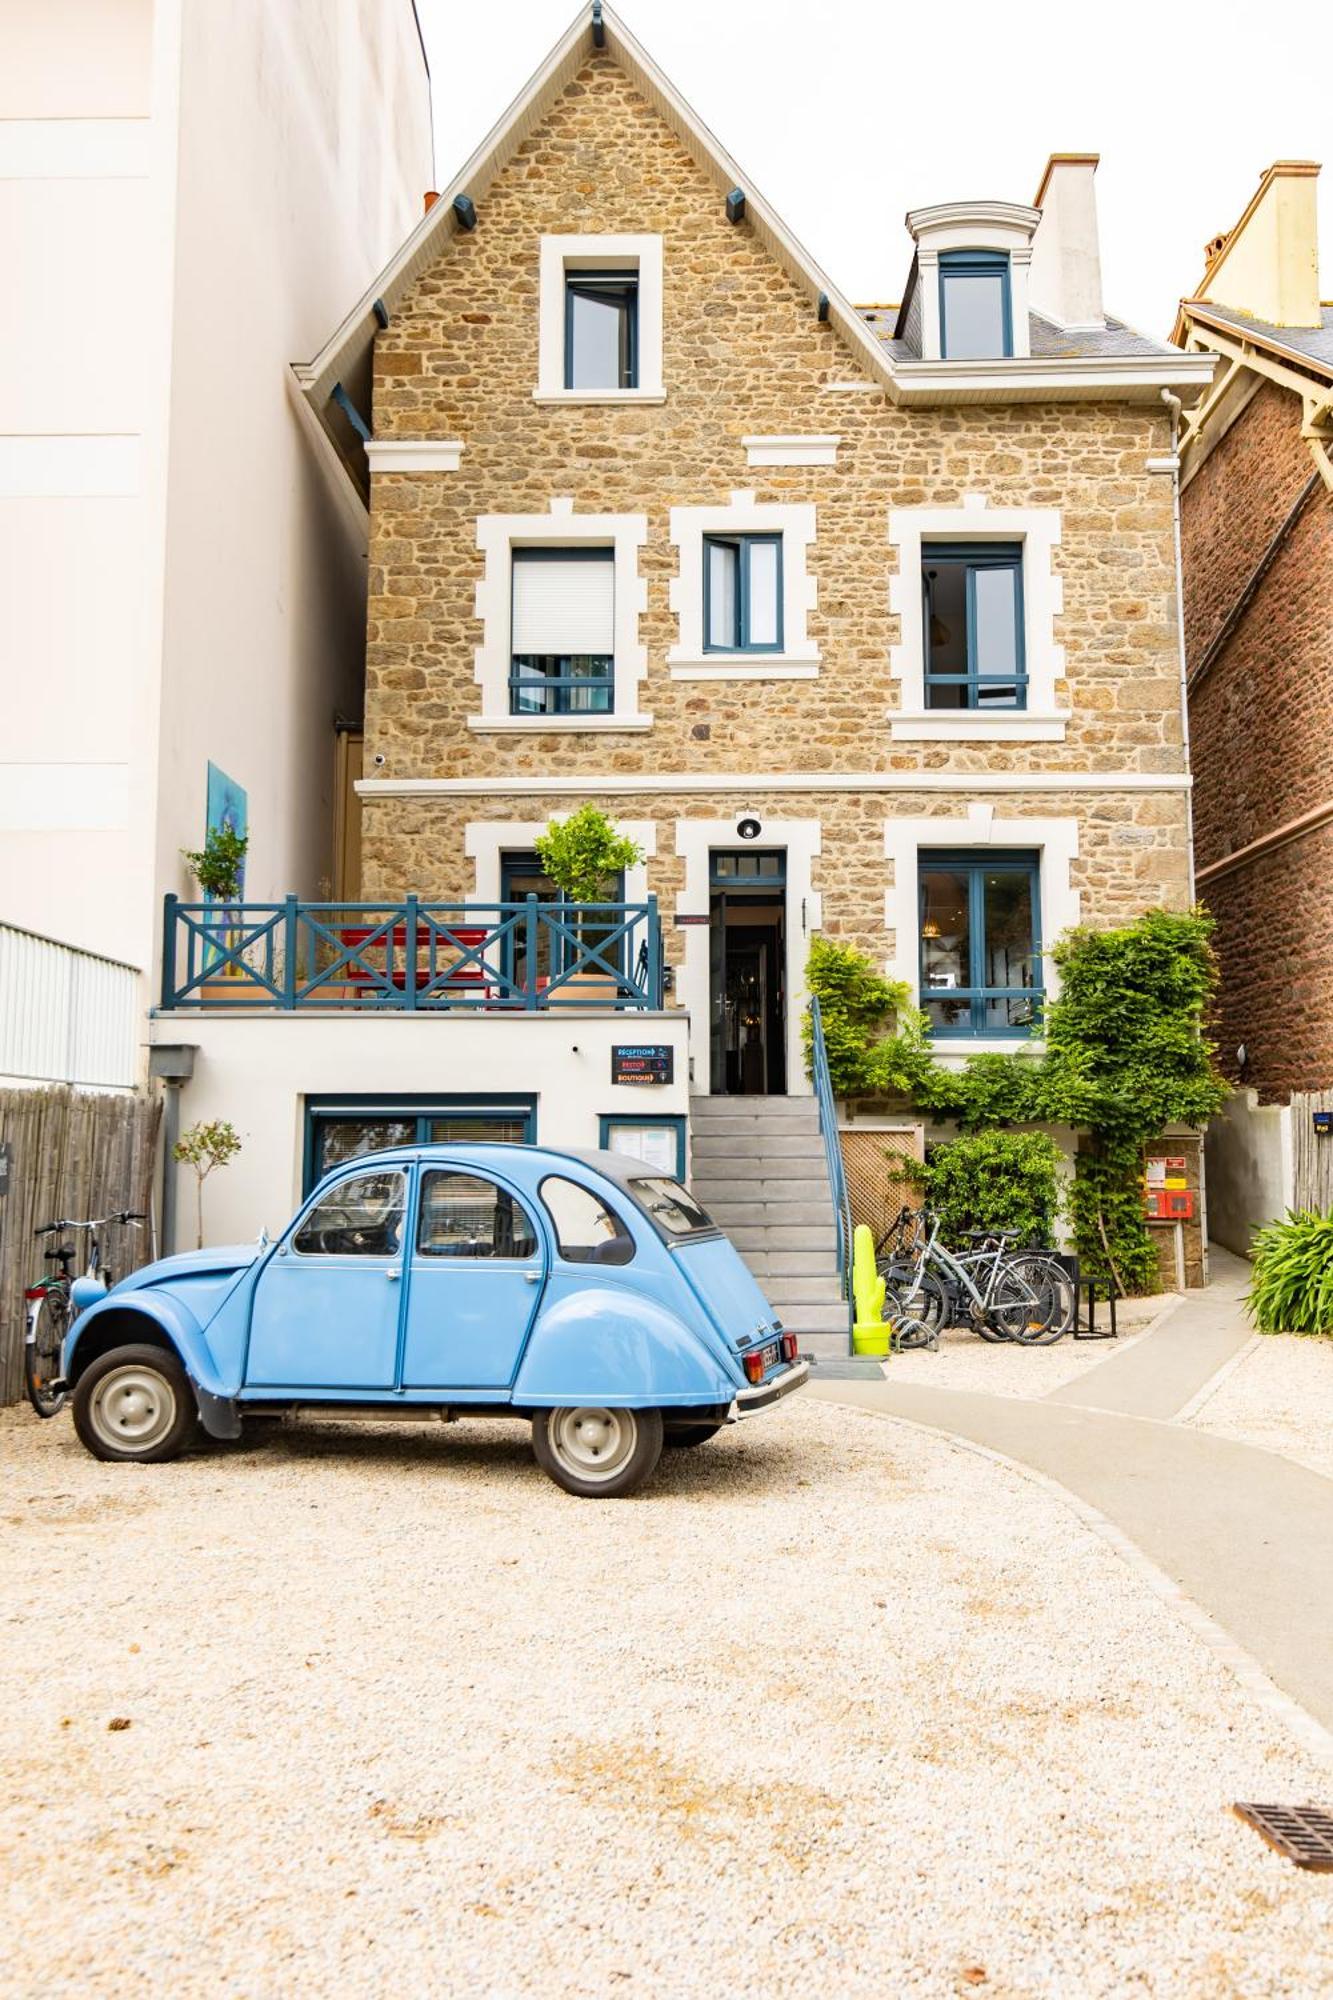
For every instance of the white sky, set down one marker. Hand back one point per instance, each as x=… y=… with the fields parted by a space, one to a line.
x=849 y=112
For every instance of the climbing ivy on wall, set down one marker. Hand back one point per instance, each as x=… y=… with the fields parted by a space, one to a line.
x=1125 y=1056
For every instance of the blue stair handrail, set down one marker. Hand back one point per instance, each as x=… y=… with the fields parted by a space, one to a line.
x=828 y=1129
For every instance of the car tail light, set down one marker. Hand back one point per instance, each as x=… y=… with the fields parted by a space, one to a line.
x=754 y=1367
x=789 y=1346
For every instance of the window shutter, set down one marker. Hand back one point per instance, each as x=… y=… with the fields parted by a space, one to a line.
x=564 y=603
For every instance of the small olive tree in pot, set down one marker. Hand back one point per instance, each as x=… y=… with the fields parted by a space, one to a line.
x=216 y=867
x=205 y=1146
x=583 y=855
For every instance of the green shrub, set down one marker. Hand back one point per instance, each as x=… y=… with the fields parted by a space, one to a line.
x=1291 y=1286
x=995 y=1180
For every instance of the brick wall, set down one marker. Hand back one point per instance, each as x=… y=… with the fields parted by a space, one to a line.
x=1275 y=942
x=1261 y=720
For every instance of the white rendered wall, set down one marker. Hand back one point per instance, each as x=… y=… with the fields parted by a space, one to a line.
x=1249 y=1167
x=190 y=197
x=259 y=1072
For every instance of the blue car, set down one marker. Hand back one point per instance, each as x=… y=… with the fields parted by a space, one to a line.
x=582 y=1291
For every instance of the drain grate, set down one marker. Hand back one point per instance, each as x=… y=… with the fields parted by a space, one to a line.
x=1304 y=1834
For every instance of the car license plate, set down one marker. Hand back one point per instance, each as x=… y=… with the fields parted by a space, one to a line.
x=772 y=1354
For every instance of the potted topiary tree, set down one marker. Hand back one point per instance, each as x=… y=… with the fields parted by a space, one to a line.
x=216 y=867
x=205 y=1146
x=583 y=855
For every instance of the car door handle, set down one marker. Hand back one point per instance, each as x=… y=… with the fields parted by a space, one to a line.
x=393 y=1274
x=533 y=1277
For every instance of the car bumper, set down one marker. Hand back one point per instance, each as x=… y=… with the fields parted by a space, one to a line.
x=749 y=1402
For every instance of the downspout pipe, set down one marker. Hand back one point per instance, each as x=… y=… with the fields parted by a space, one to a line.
x=1174 y=405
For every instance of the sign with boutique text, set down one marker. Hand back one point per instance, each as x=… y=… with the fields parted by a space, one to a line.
x=643 y=1062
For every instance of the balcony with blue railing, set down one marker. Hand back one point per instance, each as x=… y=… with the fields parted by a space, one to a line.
x=505 y=958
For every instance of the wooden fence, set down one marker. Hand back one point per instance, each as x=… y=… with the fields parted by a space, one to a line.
x=71 y=1153
x=876 y=1185
x=1311 y=1152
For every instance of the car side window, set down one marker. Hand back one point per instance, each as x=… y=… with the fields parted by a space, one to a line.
x=465 y=1215
x=587 y=1229
x=361 y=1217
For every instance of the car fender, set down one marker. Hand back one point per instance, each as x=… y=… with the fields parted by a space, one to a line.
x=590 y=1346
x=159 y=1316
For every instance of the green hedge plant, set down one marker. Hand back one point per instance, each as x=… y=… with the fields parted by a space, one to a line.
x=994 y=1180
x=1291 y=1285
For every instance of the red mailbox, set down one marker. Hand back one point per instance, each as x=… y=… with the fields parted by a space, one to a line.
x=1169 y=1205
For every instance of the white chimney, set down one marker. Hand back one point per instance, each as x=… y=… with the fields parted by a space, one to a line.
x=1065 y=281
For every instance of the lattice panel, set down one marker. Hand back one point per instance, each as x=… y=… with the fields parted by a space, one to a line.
x=876 y=1185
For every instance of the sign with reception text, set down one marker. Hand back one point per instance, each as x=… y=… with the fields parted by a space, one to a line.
x=643 y=1062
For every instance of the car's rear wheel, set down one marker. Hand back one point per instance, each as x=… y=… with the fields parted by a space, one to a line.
x=598 y=1454
x=134 y=1404
x=678 y=1437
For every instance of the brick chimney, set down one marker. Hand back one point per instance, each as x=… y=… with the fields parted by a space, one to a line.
x=1065 y=280
x=1268 y=265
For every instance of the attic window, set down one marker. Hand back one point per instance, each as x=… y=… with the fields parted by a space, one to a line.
x=601 y=329
x=599 y=333
x=976 y=318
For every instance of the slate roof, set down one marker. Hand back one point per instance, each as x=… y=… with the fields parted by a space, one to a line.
x=1047 y=340
x=1310 y=345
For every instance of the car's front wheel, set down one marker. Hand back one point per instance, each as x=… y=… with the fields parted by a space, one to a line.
x=598 y=1454
x=134 y=1403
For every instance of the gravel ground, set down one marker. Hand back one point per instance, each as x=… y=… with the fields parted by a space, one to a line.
x=1281 y=1397
x=1002 y=1368
x=834 y=1707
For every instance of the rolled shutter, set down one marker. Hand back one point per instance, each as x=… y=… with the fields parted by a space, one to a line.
x=564 y=603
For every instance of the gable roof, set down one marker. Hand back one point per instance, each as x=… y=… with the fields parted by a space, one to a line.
x=345 y=363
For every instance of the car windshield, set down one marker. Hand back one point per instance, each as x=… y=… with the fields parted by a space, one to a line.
x=675 y=1212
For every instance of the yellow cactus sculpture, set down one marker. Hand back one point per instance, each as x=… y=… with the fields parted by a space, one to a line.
x=870 y=1333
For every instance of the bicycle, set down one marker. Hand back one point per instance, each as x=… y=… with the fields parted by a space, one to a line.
x=56 y=1301
x=1020 y=1295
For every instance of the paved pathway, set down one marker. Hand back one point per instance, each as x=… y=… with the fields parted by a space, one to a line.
x=1246 y=1534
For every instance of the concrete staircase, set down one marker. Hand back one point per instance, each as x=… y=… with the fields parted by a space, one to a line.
x=758 y=1167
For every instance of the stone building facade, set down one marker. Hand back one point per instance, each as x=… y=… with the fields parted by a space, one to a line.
x=831 y=749
x=1257 y=540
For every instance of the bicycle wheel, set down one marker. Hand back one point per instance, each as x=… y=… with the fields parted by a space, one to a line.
x=1057 y=1299
x=1028 y=1305
x=921 y=1314
x=41 y=1353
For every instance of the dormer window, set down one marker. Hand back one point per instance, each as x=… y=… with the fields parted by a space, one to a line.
x=601 y=329
x=976 y=314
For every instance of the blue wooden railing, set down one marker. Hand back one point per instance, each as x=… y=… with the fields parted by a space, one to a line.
x=828 y=1128
x=483 y=957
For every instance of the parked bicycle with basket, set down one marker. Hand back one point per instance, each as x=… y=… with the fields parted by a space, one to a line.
x=56 y=1300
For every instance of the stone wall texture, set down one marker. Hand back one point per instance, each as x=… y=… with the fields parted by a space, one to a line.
x=1261 y=721
x=743 y=353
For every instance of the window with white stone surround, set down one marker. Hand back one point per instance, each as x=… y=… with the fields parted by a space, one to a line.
x=792 y=528
x=633 y=264
x=499 y=537
x=911 y=841
x=1035 y=531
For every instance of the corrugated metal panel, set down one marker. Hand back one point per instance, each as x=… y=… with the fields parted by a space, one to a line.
x=66 y=1016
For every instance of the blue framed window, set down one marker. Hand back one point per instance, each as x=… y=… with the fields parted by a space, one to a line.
x=562 y=623
x=601 y=329
x=656 y=1138
x=521 y=876
x=976 y=314
x=346 y=1127
x=980 y=937
x=742 y=593
x=972 y=612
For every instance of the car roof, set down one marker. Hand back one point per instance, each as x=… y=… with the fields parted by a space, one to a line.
x=501 y=1155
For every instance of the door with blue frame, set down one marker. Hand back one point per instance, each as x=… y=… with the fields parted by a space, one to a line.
x=477 y=1270
x=327 y=1306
